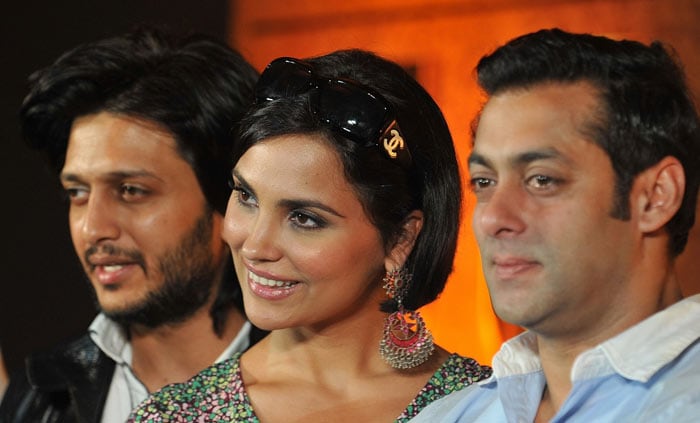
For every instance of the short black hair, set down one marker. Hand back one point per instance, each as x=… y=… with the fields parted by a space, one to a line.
x=196 y=87
x=388 y=191
x=646 y=111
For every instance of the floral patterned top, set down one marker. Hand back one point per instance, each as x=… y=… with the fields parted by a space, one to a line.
x=217 y=394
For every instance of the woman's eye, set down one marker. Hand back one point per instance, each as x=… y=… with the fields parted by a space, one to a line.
x=243 y=196
x=306 y=221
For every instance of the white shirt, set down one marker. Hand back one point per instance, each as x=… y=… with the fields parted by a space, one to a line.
x=126 y=390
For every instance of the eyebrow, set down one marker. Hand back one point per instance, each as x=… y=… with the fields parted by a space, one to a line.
x=288 y=203
x=520 y=159
x=112 y=176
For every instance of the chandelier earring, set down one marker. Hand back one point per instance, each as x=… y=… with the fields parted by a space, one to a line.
x=406 y=341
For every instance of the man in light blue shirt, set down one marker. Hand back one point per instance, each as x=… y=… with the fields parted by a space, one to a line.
x=585 y=167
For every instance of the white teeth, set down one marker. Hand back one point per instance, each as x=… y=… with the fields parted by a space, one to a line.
x=269 y=282
x=112 y=268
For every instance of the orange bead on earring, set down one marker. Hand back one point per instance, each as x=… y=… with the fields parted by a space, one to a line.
x=406 y=341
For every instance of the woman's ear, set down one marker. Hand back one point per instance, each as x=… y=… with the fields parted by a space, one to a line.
x=659 y=193
x=410 y=228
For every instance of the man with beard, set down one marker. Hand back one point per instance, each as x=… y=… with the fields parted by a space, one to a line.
x=140 y=129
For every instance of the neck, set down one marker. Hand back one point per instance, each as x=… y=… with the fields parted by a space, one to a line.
x=330 y=354
x=354 y=341
x=175 y=353
x=557 y=360
x=651 y=287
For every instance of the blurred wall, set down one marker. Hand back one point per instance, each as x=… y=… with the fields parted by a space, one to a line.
x=43 y=296
x=442 y=40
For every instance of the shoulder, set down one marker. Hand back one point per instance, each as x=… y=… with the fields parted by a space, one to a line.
x=455 y=374
x=74 y=360
x=213 y=391
x=459 y=371
x=673 y=393
x=54 y=379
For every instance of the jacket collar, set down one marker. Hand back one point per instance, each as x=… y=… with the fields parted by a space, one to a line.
x=78 y=369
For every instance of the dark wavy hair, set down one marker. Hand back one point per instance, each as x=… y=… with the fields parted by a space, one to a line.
x=196 y=87
x=646 y=110
x=388 y=191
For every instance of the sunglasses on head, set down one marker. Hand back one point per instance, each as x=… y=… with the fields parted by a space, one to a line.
x=354 y=111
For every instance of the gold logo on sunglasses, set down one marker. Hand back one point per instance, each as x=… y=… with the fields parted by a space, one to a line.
x=394 y=143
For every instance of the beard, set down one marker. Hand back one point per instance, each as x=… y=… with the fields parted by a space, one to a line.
x=188 y=277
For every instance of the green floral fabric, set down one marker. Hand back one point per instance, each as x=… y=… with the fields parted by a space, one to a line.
x=218 y=394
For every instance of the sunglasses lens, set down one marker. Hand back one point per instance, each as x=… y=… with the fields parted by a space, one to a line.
x=283 y=77
x=358 y=114
x=350 y=109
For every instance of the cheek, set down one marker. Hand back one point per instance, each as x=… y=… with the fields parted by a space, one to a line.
x=314 y=259
x=476 y=216
x=76 y=225
x=342 y=260
x=234 y=230
x=476 y=224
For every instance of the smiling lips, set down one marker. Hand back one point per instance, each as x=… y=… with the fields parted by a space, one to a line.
x=269 y=282
x=111 y=270
x=113 y=273
x=270 y=289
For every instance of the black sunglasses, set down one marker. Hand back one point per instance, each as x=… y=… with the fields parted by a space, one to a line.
x=354 y=111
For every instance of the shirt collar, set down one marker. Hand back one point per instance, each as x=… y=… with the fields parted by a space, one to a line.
x=111 y=338
x=672 y=331
x=517 y=356
x=239 y=344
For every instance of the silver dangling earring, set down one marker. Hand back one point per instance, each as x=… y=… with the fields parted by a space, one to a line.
x=406 y=342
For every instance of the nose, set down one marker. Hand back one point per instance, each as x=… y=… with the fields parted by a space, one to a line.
x=253 y=234
x=261 y=242
x=97 y=219
x=501 y=214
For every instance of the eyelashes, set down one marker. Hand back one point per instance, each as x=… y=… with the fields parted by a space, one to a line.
x=299 y=217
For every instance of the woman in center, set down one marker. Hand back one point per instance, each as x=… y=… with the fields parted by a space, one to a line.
x=342 y=222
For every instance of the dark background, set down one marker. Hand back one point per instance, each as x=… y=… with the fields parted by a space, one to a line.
x=44 y=297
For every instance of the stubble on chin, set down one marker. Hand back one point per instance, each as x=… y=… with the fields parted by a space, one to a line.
x=187 y=280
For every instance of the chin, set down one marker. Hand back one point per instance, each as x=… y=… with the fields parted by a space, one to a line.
x=268 y=323
x=113 y=303
x=509 y=314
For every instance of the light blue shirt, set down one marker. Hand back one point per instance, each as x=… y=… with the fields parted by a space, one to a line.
x=648 y=373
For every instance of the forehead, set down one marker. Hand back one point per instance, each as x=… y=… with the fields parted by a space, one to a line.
x=554 y=117
x=307 y=157
x=106 y=142
x=296 y=165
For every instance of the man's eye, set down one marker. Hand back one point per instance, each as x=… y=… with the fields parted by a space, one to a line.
x=76 y=194
x=541 y=181
x=132 y=192
x=478 y=184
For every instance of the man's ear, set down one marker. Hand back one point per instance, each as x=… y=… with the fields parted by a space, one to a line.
x=660 y=190
x=410 y=228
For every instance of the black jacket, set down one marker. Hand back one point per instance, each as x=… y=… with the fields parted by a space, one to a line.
x=67 y=384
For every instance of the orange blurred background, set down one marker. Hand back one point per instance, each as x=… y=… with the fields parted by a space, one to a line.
x=442 y=41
